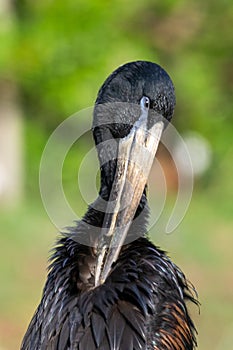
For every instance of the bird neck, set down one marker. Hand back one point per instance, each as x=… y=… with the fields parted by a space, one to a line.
x=95 y=217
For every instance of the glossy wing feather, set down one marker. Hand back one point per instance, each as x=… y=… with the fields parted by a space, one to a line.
x=141 y=306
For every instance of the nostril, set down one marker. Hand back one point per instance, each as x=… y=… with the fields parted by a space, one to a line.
x=145 y=102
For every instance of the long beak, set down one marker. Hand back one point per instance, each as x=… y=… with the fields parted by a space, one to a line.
x=136 y=153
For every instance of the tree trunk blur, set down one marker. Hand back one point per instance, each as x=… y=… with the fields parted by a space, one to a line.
x=11 y=177
x=11 y=159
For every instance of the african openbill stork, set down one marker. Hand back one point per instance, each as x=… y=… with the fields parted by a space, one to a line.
x=118 y=290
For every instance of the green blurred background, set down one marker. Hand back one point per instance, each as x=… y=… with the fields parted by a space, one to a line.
x=54 y=55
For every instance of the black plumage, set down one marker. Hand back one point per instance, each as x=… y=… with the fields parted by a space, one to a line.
x=142 y=302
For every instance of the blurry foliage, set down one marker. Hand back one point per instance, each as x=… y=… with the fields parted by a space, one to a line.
x=63 y=51
x=59 y=53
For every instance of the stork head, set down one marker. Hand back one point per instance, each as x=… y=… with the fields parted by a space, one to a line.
x=132 y=108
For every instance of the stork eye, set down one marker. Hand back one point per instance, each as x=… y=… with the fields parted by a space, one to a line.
x=145 y=102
